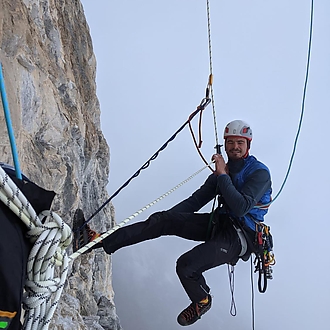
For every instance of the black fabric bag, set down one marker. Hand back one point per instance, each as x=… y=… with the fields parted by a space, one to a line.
x=14 y=251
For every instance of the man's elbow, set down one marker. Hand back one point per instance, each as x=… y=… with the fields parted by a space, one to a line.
x=242 y=210
x=240 y=213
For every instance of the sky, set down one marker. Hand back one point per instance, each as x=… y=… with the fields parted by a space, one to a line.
x=152 y=70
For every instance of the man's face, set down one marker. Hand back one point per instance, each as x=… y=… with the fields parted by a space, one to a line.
x=236 y=147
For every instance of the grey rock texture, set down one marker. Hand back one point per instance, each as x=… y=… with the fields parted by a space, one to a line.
x=49 y=68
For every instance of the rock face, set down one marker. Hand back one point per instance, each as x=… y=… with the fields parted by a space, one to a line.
x=49 y=70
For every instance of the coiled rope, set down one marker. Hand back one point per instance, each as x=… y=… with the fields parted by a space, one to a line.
x=50 y=239
x=51 y=236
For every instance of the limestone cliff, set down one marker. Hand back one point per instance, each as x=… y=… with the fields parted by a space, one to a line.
x=49 y=69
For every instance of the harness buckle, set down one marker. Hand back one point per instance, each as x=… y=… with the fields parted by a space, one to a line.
x=243 y=241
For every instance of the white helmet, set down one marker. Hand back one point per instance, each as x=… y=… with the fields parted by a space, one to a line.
x=238 y=128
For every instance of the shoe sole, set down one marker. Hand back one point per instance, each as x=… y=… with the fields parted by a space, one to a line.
x=78 y=222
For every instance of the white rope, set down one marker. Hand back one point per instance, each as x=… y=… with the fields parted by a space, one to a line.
x=51 y=236
x=50 y=240
x=121 y=224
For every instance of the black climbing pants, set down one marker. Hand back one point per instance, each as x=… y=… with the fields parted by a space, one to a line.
x=222 y=247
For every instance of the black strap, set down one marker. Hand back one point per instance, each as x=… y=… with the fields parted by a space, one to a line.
x=262 y=278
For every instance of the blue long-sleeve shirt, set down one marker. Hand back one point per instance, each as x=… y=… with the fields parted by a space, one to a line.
x=239 y=197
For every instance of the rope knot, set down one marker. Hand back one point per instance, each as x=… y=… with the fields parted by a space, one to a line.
x=50 y=236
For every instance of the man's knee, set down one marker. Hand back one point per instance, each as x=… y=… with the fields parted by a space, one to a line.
x=163 y=220
x=183 y=267
x=156 y=217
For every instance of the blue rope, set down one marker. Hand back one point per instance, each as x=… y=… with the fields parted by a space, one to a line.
x=302 y=107
x=9 y=125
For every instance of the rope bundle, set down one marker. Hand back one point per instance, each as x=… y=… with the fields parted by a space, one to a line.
x=50 y=239
x=50 y=236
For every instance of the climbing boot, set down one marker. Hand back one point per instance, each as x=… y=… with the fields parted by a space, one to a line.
x=194 y=311
x=82 y=233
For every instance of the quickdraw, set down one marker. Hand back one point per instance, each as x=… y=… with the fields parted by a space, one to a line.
x=265 y=258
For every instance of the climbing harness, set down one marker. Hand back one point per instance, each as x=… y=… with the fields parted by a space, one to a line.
x=242 y=240
x=261 y=247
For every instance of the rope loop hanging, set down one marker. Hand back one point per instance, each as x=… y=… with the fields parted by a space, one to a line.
x=205 y=101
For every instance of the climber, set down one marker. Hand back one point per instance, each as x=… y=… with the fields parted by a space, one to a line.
x=238 y=185
x=14 y=249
